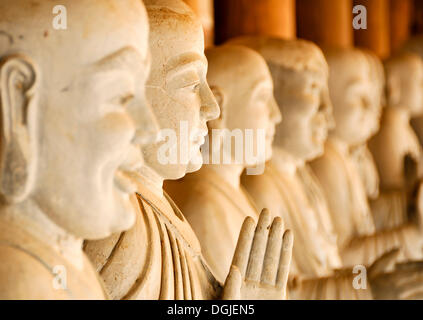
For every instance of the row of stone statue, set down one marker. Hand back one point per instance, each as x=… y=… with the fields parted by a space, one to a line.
x=84 y=214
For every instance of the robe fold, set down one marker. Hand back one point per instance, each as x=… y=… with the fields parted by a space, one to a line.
x=159 y=258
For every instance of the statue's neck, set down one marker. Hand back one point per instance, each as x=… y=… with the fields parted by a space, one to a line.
x=344 y=146
x=285 y=162
x=396 y=147
x=402 y=114
x=28 y=216
x=152 y=180
x=398 y=116
x=230 y=173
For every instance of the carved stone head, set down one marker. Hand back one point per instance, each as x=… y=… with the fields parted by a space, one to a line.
x=243 y=86
x=377 y=76
x=177 y=88
x=68 y=101
x=300 y=77
x=352 y=85
x=415 y=45
x=404 y=81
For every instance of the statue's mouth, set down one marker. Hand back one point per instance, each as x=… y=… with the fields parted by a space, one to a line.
x=198 y=137
x=319 y=136
x=199 y=140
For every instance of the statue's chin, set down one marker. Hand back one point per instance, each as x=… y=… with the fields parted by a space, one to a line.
x=269 y=155
x=314 y=153
x=193 y=167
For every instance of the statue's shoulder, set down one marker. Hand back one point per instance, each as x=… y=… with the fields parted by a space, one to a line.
x=202 y=196
x=191 y=190
x=265 y=189
x=334 y=171
x=311 y=186
x=262 y=181
x=331 y=165
x=31 y=268
x=25 y=275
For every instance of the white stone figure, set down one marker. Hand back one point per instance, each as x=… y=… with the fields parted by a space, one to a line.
x=395 y=147
x=212 y=199
x=160 y=258
x=288 y=186
x=68 y=100
x=357 y=114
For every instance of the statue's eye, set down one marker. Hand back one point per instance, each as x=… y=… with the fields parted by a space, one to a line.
x=365 y=102
x=124 y=100
x=314 y=88
x=127 y=99
x=192 y=86
x=263 y=95
x=322 y=107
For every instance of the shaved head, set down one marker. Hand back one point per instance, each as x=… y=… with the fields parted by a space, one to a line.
x=230 y=63
x=174 y=30
x=27 y=27
x=299 y=55
x=73 y=95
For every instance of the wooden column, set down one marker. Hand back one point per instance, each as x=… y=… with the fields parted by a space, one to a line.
x=326 y=22
x=400 y=22
x=417 y=17
x=376 y=37
x=204 y=10
x=254 y=17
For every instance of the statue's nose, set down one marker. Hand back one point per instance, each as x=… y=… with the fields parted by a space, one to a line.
x=275 y=113
x=209 y=107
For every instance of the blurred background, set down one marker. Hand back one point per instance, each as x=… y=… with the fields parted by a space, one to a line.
x=326 y=22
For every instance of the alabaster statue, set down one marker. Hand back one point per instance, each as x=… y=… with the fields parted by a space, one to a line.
x=414 y=46
x=288 y=187
x=360 y=154
x=212 y=199
x=66 y=139
x=300 y=73
x=357 y=113
x=161 y=257
x=395 y=147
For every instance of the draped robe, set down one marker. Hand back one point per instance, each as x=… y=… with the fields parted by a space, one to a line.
x=290 y=190
x=159 y=258
x=358 y=241
x=216 y=211
x=398 y=161
x=31 y=268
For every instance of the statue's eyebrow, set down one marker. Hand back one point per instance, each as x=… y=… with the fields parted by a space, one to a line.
x=7 y=36
x=354 y=82
x=262 y=84
x=181 y=61
x=127 y=59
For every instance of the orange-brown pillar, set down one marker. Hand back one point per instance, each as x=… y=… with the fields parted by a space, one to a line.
x=400 y=22
x=376 y=37
x=204 y=10
x=326 y=22
x=417 y=17
x=254 y=17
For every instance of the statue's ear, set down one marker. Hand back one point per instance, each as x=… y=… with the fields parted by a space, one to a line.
x=17 y=160
x=393 y=91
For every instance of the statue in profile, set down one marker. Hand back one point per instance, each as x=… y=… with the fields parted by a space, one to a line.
x=357 y=114
x=213 y=199
x=161 y=257
x=396 y=148
x=67 y=133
